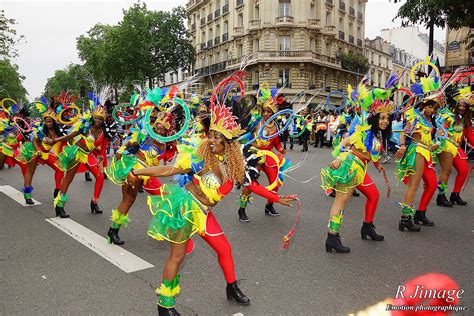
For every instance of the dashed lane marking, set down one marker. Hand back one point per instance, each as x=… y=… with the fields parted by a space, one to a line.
x=16 y=195
x=118 y=256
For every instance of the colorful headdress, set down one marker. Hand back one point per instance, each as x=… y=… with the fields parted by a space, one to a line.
x=43 y=108
x=266 y=96
x=65 y=98
x=223 y=121
x=98 y=110
x=386 y=106
x=465 y=95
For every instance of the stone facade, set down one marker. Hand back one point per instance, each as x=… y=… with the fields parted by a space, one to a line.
x=292 y=44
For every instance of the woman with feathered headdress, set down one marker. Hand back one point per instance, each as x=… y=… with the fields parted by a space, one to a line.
x=369 y=129
x=41 y=149
x=210 y=170
x=86 y=152
x=139 y=151
x=456 y=121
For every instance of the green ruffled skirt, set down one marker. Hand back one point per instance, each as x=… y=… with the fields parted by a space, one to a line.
x=349 y=175
x=407 y=165
x=177 y=215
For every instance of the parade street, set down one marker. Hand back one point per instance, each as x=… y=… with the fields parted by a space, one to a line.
x=59 y=267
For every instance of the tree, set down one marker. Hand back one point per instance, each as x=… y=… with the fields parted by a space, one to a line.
x=69 y=79
x=11 y=85
x=441 y=13
x=354 y=62
x=8 y=37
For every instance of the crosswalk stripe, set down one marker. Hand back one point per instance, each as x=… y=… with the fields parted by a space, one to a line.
x=118 y=256
x=16 y=195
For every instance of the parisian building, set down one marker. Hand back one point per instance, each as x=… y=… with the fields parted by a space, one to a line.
x=292 y=44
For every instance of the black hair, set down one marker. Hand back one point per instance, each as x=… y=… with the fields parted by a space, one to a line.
x=374 y=127
x=56 y=129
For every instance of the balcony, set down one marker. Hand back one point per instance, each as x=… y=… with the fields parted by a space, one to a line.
x=232 y=63
x=217 y=40
x=342 y=7
x=360 y=16
x=314 y=24
x=217 y=13
x=284 y=54
x=225 y=9
x=192 y=3
x=352 y=11
x=225 y=37
x=330 y=3
x=238 y=31
x=284 y=20
x=254 y=25
x=209 y=18
x=238 y=3
x=359 y=42
x=351 y=39
x=209 y=44
x=203 y=46
x=203 y=21
x=341 y=35
x=330 y=30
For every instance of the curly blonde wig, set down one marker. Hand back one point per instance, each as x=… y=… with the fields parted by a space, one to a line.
x=234 y=166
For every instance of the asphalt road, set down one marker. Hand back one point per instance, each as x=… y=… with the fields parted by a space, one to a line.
x=45 y=272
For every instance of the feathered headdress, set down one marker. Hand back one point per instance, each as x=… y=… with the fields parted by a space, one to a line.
x=266 y=96
x=46 y=111
x=98 y=110
x=465 y=95
x=65 y=98
x=383 y=107
x=223 y=121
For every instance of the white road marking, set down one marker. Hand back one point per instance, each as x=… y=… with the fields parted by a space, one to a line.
x=238 y=314
x=120 y=257
x=16 y=195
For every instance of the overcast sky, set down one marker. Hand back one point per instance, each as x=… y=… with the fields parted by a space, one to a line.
x=51 y=28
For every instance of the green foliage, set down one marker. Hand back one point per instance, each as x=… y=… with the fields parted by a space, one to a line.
x=441 y=13
x=8 y=37
x=355 y=62
x=11 y=82
x=69 y=79
x=144 y=45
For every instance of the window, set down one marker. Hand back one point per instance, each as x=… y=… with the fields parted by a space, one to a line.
x=256 y=77
x=312 y=11
x=285 y=7
x=351 y=26
x=226 y=26
x=226 y=54
x=328 y=18
x=210 y=35
x=328 y=50
x=218 y=4
x=240 y=20
x=284 y=43
x=218 y=57
x=240 y=49
x=256 y=13
x=256 y=45
x=284 y=78
x=218 y=30
x=341 y=25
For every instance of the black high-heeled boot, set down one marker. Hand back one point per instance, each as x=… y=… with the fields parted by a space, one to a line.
x=56 y=192
x=332 y=194
x=421 y=219
x=60 y=212
x=113 y=236
x=334 y=242
x=442 y=200
x=368 y=229
x=355 y=193
x=270 y=210
x=407 y=223
x=162 y=311
x=233 y=292
x=456 y=199
x=87 y=176
x=242 y=216
x=95 y=208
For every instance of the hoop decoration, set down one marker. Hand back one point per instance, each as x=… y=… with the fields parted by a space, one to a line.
x=119 y=111
x=263 y=153
x=27 y=128
x=274 y=116
x=336 y=108
x=2 y=103
x=467 y=77
x=66 y=111
x=303 y=126
x=165 y=139
x=423 y=62
x=230 y=80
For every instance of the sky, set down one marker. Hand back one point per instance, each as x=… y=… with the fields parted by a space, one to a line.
x=51 y=27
